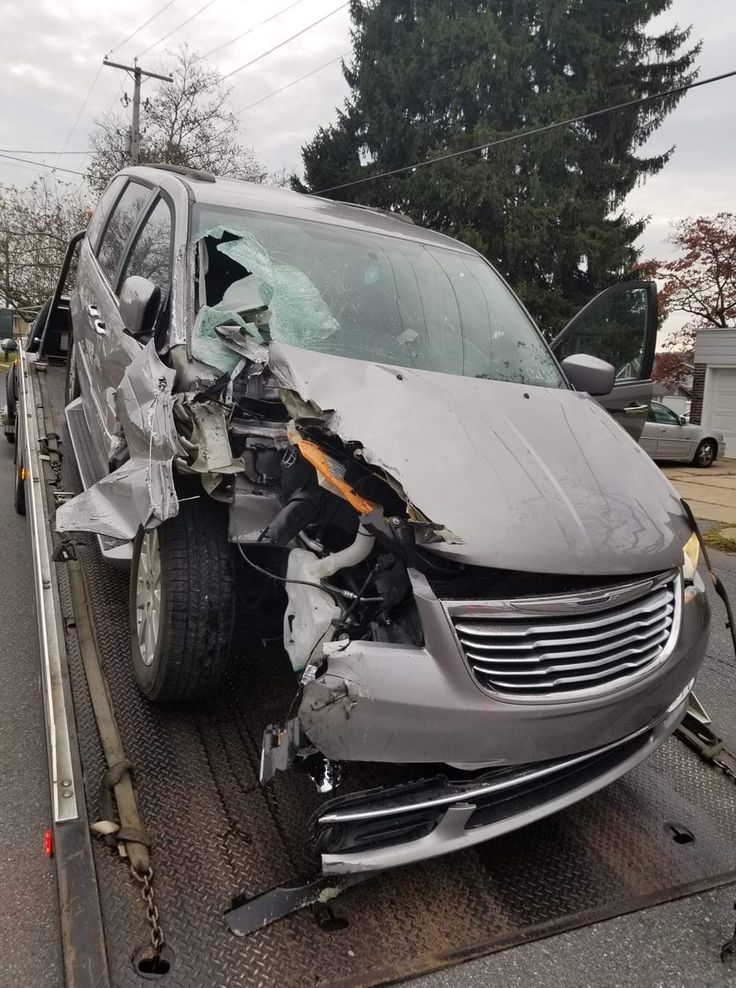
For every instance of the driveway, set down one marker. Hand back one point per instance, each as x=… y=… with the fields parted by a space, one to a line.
x=710 y=493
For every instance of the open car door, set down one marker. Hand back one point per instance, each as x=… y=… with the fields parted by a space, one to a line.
x=619 y=326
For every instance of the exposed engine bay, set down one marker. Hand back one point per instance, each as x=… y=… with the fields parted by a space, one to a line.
x=306 y=507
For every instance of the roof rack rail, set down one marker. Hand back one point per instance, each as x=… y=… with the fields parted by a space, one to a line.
x=195 y=173
x=393 y=213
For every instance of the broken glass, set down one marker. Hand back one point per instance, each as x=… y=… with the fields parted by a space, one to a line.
x=297 y=313
x=349 y=291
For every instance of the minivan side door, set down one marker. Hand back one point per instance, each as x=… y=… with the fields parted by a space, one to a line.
x=620 y=326
x=105 y=350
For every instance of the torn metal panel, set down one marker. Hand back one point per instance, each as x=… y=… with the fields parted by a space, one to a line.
x=244 y=344
x=210 y=435
x=528 y=478
x=133 y=495
x=141 y=491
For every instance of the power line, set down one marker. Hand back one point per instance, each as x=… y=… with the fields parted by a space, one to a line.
x=286 y=42
x=81 y=110
x=139 y=29
x=41 y=164
x=177 y=28
x=532 y=132
x=33 y=233
x=17 y=151
x=292 y=83
x=251 y=29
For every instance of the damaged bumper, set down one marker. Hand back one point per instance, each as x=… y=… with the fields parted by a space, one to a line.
x=404 y=825
x=381 y=702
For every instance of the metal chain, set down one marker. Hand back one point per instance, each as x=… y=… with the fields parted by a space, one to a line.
x=725 y=767
x=56 y=467
x=157 y=934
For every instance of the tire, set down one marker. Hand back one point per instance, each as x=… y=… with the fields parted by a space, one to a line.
x=11 y=403
x=71 y=386
x=181 y=648
x=705 y=454
x=19 y=491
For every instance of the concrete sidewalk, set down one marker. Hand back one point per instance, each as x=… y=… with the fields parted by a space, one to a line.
x=711 y=493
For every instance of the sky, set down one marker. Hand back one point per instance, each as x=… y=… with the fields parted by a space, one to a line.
x=47 y=103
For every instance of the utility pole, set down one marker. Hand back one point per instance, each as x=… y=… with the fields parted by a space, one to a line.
x=137 y=73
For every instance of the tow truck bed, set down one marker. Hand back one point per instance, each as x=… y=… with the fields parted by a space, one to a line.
x=662 y=832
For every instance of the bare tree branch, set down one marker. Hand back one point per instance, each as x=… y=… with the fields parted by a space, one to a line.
x=186 y=122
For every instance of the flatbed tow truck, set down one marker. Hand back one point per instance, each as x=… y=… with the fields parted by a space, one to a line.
x=164 y=840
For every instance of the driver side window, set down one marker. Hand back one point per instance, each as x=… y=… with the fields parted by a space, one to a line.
x=151 y=255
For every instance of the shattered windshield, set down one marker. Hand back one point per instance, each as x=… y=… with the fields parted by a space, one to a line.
x=358 y=294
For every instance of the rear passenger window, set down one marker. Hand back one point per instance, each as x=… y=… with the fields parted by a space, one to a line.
x=151 y=254
x=102 y=210
x=120 y=226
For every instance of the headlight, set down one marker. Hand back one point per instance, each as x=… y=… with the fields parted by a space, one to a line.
x=691 y=550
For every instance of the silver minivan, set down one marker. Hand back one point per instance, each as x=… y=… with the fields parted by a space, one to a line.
x=304 y=420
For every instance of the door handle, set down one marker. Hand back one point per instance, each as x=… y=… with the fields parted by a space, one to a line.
x=635 y=409
x=92 y=310
x=100 y=327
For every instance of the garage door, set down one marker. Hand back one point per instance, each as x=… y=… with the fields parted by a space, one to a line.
x=722 y=405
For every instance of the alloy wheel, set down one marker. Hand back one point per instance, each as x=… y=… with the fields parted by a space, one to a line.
x=148 y=596
x=705 y=454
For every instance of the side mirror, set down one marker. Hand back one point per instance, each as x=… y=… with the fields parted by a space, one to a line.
x=9 y=345
x=683 y=420
x=139 y=303
x=590 y=374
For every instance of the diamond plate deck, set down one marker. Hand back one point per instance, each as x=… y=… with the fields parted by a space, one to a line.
x=218 y=833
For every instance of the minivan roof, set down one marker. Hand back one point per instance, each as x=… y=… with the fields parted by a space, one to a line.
x=231 y=193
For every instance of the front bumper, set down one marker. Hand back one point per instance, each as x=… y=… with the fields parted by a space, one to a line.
x=403 y=825
x=393 y=703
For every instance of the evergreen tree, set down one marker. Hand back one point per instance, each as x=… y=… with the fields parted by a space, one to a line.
x=431 y=76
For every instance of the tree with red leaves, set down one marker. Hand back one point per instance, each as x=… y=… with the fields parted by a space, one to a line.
x=702 y=281
x=671 y=369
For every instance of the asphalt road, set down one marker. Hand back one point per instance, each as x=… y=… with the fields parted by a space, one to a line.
x=28 y=918
x=672 y=945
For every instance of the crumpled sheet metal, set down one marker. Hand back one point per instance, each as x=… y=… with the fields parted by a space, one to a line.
x=298 y=313
x=210 y=434
x=541 y=480
x=141 y=491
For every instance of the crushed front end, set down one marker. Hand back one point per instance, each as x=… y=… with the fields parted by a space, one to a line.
x=480 y=585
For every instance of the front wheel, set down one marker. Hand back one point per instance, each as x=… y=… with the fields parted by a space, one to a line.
x=705 y=454
x=182 y=613
x=11 y=402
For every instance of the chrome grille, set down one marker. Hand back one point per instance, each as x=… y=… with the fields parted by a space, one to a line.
x=583 y=643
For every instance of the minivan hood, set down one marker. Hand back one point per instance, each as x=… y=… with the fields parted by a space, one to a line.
x=528 y=478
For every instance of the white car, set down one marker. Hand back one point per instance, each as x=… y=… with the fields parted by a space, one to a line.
x=667 y=436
